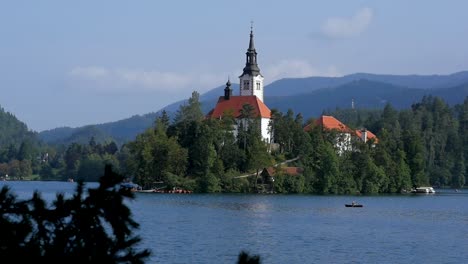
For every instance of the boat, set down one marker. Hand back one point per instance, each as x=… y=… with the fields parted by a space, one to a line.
x=145 y=191
x=156 y=190
x=130 y=186
x=353 y=204
x=423 y=190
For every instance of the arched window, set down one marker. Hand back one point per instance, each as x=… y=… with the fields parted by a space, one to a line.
x=246 y=85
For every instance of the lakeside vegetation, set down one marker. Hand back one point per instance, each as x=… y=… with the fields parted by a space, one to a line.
x=94 y=225
x=423 y=145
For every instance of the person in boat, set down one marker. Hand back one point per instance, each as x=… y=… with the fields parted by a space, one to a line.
x=353 y=203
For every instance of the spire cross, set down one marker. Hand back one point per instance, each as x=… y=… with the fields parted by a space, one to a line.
x=251 y=25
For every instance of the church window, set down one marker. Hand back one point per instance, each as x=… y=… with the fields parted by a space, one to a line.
x=258 y=85
x=246 y=85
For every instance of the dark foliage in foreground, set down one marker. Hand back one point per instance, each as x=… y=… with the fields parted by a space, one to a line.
x=245 y=258
x=92 y=228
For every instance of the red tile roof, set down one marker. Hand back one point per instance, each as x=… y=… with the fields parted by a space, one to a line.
x=235 y=103
x=331 y=123
x=370 y=135
x=292 y=171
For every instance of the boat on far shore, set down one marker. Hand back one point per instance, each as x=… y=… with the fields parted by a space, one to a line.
x=423 y=190
x=173 y=190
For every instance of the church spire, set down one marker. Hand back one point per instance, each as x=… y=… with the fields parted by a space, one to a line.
x=251 y=81
x=251 y=66
x=227 y=90
x=251 y=44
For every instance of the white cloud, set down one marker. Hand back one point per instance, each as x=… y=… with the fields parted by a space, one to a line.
x=339 y=27
x=108 y=80
x=91 y=73
x=154 y=79
x=296 y=69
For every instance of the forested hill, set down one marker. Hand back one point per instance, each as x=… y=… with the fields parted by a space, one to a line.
x=295 y=86
x=306 y=85
x=14 y=132
x=309 y=96
x=365 y=94
x=119 y=131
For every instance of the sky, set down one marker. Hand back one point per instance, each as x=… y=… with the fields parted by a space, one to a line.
x=75 y=63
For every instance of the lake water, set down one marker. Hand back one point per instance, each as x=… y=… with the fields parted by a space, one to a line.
x=195 y=228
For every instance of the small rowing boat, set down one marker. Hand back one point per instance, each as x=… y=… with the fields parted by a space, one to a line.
x=353 y=204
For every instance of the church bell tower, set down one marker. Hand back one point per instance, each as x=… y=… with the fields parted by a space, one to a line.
x=251 y=81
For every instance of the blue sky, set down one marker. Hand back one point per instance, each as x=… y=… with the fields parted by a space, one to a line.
x=65 y=63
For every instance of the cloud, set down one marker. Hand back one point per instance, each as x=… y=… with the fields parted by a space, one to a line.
x=92 y=72
x=111 y=81
x=296 y=69
x=154 y=79
x=339 y=27
x=136 y=80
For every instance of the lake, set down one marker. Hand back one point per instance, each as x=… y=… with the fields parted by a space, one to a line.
x=214 y=228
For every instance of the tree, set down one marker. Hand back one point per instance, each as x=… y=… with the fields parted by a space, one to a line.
x=209 y=183
x=245 y=258
x=415 y=154
x=73 y=154
x=156 y=156
x=15 y=169
x=257 y=157
x=246 y=119
x=327 y=169
x=190 y=111
x=458 y=173
x=25 y=168
x=26 y=150
x=164 y=118
x=111 y=148
x=202 y=152
x=46 y=172
x=92 y=228
x=90 y=168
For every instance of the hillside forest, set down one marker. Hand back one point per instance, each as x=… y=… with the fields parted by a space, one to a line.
x=422 y=145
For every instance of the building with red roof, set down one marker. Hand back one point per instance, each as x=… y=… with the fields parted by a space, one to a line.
x=234 y=104
x=365 y=135
x=343 y=141
x=273 y=171
x=329 y=123
x=251 y=93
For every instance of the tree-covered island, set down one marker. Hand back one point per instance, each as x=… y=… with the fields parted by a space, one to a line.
x=424 y=145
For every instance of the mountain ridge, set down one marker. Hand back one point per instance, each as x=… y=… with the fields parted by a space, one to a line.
x=283 y=93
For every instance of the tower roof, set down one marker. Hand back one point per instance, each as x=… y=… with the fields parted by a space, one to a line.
x=251 y=66
x=251 y=43
x=227 y=90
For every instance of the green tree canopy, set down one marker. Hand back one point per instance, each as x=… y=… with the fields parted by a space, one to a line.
x=87 y=228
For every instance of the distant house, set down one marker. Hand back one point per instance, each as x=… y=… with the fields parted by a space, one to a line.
x=268 y=175
x=345 y=134
x=273 y=171
x=365 y=135
x=251 y=93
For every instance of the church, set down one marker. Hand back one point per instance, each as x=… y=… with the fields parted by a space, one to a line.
x=251 y=92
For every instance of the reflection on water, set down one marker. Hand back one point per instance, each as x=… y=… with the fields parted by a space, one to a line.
x=191 y=228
